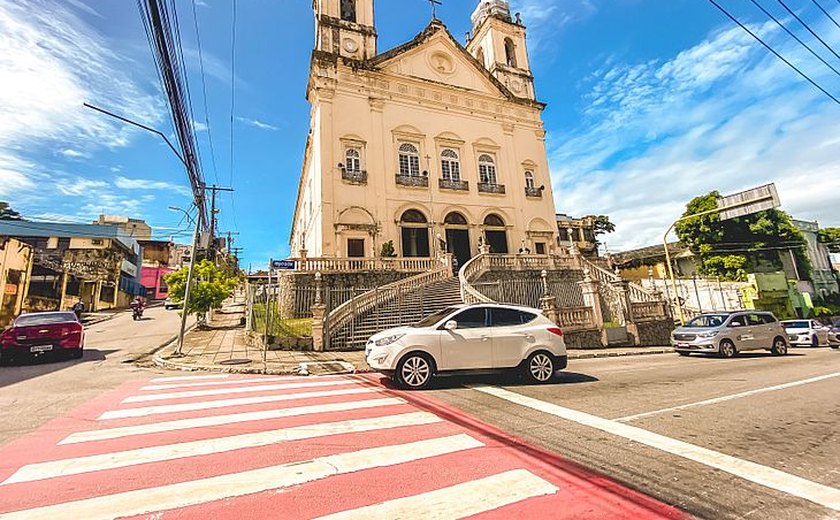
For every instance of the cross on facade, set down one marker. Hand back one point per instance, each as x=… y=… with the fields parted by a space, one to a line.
x=434 y=3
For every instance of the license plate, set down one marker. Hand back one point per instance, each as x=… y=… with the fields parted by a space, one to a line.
x=40 y=348
x=683 y=345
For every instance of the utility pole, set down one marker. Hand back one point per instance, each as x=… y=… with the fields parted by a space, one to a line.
x=213 y=190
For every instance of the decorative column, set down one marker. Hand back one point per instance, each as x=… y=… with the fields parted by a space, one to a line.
x=590 y=287
x=623 y=295
x=549 y=306
x=319 y=311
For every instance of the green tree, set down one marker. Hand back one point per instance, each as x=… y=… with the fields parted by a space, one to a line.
x=387 y=250
x=729 y=249
x=831 y=238
x=603 y=225
x=7 y=213
x=211 y=286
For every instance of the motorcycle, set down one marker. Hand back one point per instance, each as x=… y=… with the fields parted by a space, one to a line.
x=136 y=312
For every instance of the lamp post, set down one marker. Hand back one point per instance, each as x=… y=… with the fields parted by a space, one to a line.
x=190 y=271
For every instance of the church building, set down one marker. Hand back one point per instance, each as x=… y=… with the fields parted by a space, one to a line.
x=433 y=144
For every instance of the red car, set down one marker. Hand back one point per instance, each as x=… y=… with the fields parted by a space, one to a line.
x=39 y=333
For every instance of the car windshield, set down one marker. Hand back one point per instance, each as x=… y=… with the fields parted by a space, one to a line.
x=707 y=320
x=36 y=320
x=434 y=318
x=796 y=324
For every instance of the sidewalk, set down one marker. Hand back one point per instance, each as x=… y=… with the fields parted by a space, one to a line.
x=222 y=348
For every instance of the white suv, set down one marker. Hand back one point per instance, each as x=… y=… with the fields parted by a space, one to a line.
x=470 y=338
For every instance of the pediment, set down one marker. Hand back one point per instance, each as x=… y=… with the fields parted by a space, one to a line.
x=436 y=57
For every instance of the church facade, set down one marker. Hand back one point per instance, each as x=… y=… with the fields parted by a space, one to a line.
x=432 y=145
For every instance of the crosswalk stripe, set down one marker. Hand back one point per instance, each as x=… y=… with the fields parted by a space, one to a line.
x=254 y=380
x=189 y=378
x=238 y=390
x=217 y=420
x=121 y=459
x=222 y=403
x=458 y=501
x=185 y=494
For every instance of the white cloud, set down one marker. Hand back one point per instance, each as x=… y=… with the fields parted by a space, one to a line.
x=722 y=115
x=545 y=17
x=73 y=154
x=198 y=126
x=256 y=123
x=79 y=186
x=146 y=184
x=51 y=63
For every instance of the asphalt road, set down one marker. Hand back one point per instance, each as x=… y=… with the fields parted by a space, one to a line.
x=32 y=393
x=782 y=414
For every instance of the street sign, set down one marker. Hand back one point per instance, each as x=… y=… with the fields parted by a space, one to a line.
x=749 y=202
x=283 y=265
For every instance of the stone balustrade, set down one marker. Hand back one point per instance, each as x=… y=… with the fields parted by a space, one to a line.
x=329 y=265
x=576 y=318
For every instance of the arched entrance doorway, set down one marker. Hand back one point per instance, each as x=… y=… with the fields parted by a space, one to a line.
x=415 y=234
x=457 y=237
x=496 y=233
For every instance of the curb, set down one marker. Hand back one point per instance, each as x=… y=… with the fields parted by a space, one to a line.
x=295 y=369
x=160 y=347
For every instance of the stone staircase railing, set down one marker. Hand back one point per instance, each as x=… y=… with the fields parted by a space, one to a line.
x=479 y=265
x=329 y=265
x=606 y=277
x=341 y=316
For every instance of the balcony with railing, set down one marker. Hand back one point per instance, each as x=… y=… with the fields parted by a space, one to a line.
x=498 y=189
x=534 y=192
x=449 y=184
x=413 y=181
x=354 y=176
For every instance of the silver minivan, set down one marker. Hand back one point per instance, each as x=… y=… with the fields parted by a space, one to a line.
x=727 y=333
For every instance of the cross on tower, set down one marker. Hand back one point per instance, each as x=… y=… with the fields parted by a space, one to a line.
x=434 y=3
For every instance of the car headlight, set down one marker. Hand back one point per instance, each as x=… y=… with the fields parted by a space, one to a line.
x=388 y=340
x=710 y=334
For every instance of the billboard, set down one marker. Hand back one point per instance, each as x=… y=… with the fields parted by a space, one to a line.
x=748 y=202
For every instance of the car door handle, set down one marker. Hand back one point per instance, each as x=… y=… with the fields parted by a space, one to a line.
x=485 y=338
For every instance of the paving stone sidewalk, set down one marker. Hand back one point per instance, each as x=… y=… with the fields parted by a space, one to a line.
x=221 y=347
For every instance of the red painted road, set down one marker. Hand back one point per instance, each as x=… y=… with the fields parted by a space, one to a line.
x=251 y=447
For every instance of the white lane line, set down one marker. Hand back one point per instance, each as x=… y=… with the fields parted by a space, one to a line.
x=189 y=378
x=121 y=459
x=725 y=398
x=228 y=382
x=218 y=420
x=772 y=478
x=223 y=403
x=185 y=494
x=458 y=501
x=238 y=390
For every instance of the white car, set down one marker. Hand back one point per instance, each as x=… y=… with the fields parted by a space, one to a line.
x=806 y=332
x=470 y=338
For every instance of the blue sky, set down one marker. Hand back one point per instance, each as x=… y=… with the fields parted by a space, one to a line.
x=651 y=102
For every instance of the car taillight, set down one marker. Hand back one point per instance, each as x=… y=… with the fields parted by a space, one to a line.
x=71 y=329
x=556 y=331
x=6 y=338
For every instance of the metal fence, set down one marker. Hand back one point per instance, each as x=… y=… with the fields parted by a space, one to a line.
x=530 y=291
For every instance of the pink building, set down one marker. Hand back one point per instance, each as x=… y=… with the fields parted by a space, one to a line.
x=152 y=279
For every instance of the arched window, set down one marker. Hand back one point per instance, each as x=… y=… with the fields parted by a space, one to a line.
x=493 y=220
x=413 y=216
x=486 y=169
x=348 y=10
x=353 y=161
x=510 y=53
x=409 y=160
x=529 y=180
x=480 y=57
x=450 y=165
x=455 y=219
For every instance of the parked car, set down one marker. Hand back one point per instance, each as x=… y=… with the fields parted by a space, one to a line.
x=470 y=338
x=39 y=333
x=834 y=334
x=168 y=304
x=727 y=333
x=808 y=333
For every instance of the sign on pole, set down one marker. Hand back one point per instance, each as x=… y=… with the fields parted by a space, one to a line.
x=749 y=202
x=283 y=265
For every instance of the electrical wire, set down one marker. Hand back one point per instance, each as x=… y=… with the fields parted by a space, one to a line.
x=795 y=37
x=771 y=49
x=233 y=114
x=204 y=92
x=821 y=8
x=808 y=27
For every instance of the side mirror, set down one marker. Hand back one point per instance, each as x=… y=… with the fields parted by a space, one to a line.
x=451 y=325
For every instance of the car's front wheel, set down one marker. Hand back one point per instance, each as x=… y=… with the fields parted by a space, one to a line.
x=779 y=347
x=539 y=368
x=727 y=349
x=414 y=371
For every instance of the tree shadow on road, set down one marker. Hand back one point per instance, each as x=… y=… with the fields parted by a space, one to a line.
x=18 y=370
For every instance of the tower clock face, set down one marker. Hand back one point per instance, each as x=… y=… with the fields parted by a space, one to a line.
x=350 y=45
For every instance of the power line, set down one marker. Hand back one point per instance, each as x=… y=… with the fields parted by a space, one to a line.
x=204 y=93
x=795 y=37
x=808 y=27
x=771 y=49
x=233 y=112
x=821 y=8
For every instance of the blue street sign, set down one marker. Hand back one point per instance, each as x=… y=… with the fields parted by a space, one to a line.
x=283 y=265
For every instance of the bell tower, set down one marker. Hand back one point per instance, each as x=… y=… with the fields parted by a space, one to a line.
x=345 y=28
x=498 y=42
